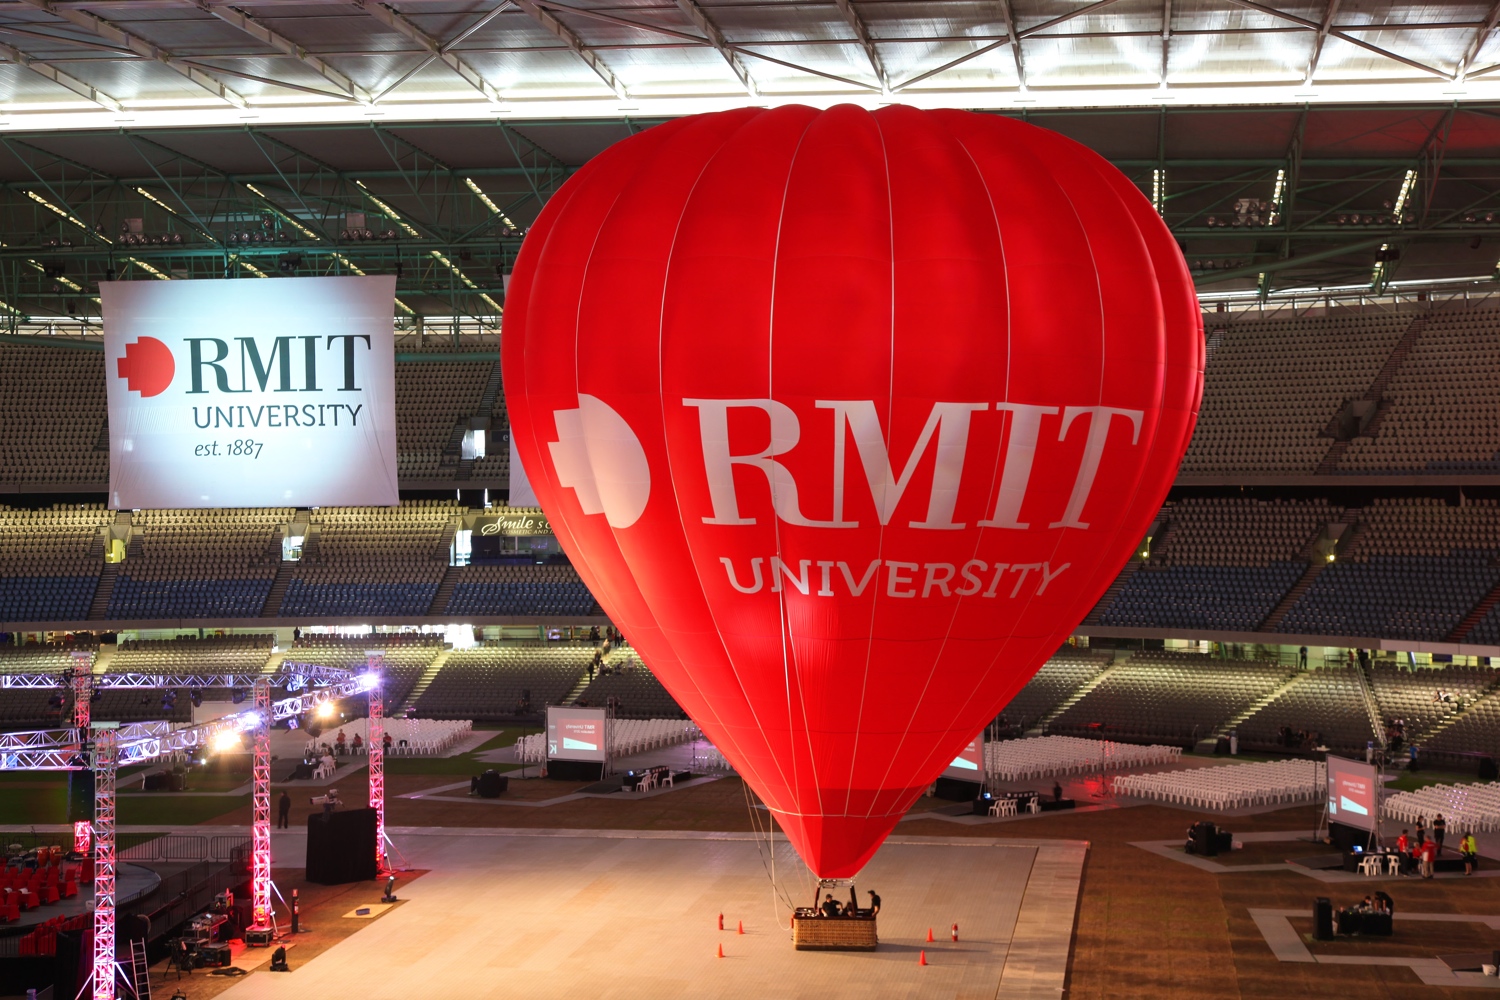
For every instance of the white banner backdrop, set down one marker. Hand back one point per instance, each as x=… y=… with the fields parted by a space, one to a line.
x=275 y=392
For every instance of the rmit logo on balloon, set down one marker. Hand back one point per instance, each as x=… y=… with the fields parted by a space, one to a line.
x=600 y=457
x=946 y=429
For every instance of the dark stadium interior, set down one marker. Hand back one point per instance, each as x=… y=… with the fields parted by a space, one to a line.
x=1322 y=581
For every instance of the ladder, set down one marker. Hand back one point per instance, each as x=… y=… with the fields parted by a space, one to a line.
x=140 y=974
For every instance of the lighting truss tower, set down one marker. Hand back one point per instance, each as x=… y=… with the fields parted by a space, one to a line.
x=260 y=833
x=83 y=694
x=375 y=747
x=104 y=864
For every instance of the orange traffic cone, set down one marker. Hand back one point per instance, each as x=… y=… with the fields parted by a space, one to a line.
x=923 y=959
x=741 y=928
x=721 y=951
x=721 y=921
x=955 y=932
x=929 y=935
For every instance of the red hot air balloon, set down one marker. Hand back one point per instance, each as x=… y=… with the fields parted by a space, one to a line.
x=847 y=418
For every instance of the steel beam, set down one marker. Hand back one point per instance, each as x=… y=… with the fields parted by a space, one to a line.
x=1008 y=39
x=1009 y=18
x=1480 y=37
x=701 y=21
x=375 y=749
x=260 y=823
x=866 y=42
x=105 y=762
x=1338 y=32
x=258 y=31
x=568 y=37
x=92 y=22
x=1317 y=53
x=391 y=18
x=61 y=77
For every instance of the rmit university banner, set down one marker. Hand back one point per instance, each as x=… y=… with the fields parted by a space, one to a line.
x=251 y=393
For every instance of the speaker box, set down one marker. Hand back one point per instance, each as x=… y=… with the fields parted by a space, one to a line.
x=1323 y=919
x=80 y=796
x=341 y=847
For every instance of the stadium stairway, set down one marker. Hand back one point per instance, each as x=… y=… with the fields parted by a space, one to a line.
x=1108 y=597
x=1375 y=393
x=1475 y=616
x=1207 y=745
x=1372 y=709
x=578 y=689
x=274 y=596
x=424 y=680
x=1040 y=729
x=1316 y=563
x=102 y=592
x=451 y=577
x=1420 y=738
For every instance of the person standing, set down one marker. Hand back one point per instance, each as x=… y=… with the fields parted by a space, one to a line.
x=1470 y=850
x=284 y=811
x=1439 y=830
x=1429 y=855
x=1421 y=830
x=874 y=904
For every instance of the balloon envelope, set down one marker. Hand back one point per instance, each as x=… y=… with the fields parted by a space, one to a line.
x=847 y=419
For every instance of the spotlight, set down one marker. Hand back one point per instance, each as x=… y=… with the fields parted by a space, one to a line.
x=227 y=741
x=196 y=697
x=390 y=890
x=325 y=710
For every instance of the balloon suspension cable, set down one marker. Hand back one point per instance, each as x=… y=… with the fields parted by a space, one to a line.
x=778 y=895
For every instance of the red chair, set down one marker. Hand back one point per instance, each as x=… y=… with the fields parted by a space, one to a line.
x=28 y=900
x=69 y=889
x=49 y=894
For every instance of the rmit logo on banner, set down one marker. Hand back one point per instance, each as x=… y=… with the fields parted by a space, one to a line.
x=613 y=476
x=148 y=367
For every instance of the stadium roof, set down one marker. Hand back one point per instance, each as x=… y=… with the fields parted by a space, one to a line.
x=1353 y=145
x=87 y=63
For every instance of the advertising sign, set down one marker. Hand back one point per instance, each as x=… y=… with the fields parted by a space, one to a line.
x=576 y=733
x=251 y=393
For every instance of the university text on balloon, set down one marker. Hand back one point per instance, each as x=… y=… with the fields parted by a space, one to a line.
x=902 y=579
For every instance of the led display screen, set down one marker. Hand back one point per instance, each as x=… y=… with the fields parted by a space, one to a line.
x=1352 y=793
x=969 y=765
x=576 y=733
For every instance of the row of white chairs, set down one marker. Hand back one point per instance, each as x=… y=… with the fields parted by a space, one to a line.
x=1234 y=786
x=1045 y=756
x=1465 y=807
x=710 y=759
x=409 y=737
x=632 y=736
